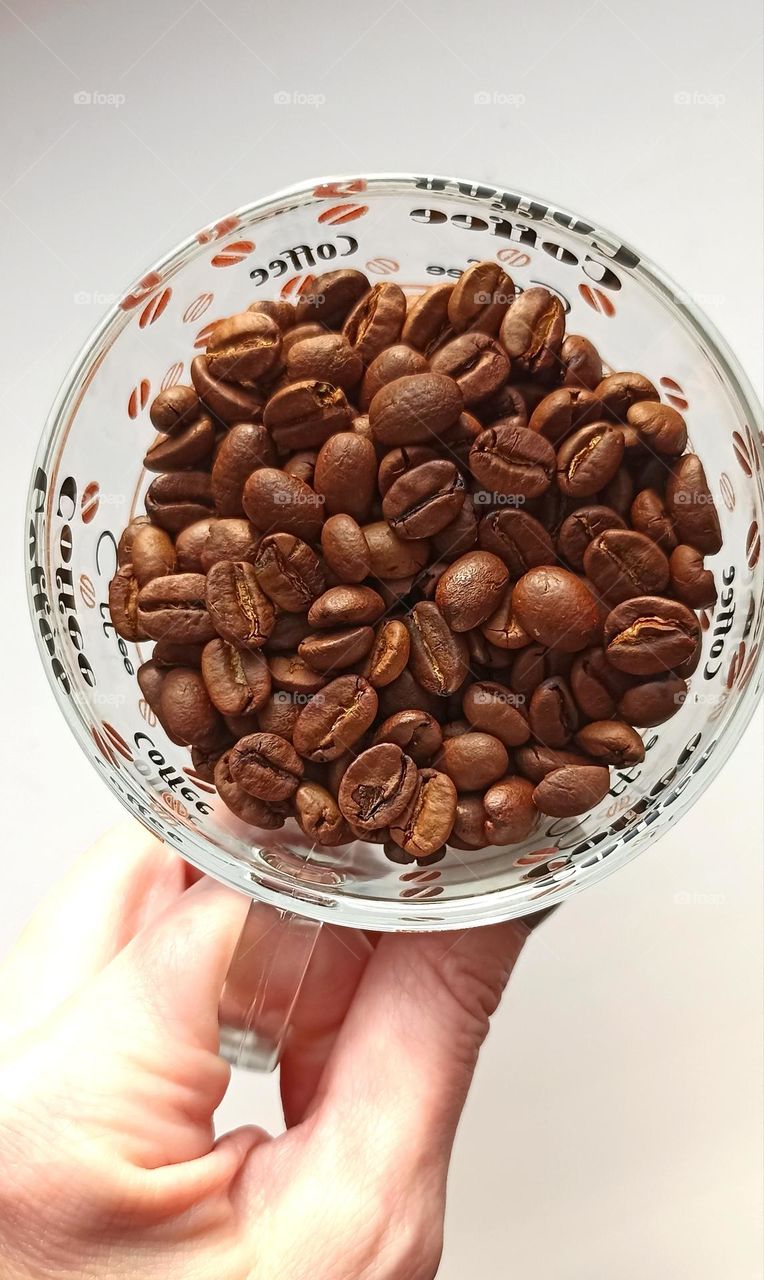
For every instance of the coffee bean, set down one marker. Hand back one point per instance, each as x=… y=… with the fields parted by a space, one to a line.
x=229 y=539
x=279 y=310
x=510 y=814
x=249 y=808
x=439 y=658
x=480 y=298
x=174 y=409
x=611 y=742
x=123 y=604
x=226 y=401
x=185 y=448
x=425 y=825
x=335 y=650
x=589 y=459
x=266 y=766
x=331 y=296
x=502 y=630
x=574 y=789
x=171 y=653
x=395 y=362
x=470 y=589
x=532 y=331
x=345 y=549
x=535 y=761
x=424 y=500
x=518 y=539
x=245 y=448
x=691 y=582
x=659 y=426
x=473 y=760
x=185 y=708
x=415 y=732
x=376 y=320
x=243 y=347
x=346 y=471
x=346 y=606
x=125 y=544
x=190 y=545
x=582 y=366
x=650 y=634
x=555 y=608
x=319 y=816
x=178 y=499
x=275 y=501
x=513 y=460
x=239 y=608
x=153 y=553
x=477 y=364
x=507 y=406
x=389 y=654
x=653 y=702
x=649 y=516
x=427 y=317
x=335 y=719
x=622 y=564
x=563 y=411
x=458 y=537
x=398 y=462
x=619 y=391
x=377 y=787
x=552 y=714
x=174 y=608
x=619 y=493
x=415 y=408
x=238 y=680
x=289 y=572
x=494 y=709
x=292 y=674
x=597 y=686
x=329 y=358
x=691 y=506
x=459 y=438
x=581 y=527
x=304 y=414
x=392 y=557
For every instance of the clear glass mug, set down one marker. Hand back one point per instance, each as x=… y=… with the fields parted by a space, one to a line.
x=88 y=482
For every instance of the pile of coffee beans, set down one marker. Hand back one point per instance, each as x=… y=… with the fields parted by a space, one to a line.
x=414 y=569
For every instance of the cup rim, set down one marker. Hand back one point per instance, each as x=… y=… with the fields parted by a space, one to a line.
x=491 y=906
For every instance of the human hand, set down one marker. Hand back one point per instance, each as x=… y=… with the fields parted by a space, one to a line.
x=109 y=1078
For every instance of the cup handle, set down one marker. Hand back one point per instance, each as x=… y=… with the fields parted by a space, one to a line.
x=262 y=985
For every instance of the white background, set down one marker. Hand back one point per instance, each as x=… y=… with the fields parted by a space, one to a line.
x=614 y=1131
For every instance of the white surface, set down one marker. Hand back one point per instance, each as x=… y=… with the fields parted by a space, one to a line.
x=614 y=1131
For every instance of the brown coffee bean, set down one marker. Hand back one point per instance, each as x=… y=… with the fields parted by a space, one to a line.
x=245 y=448
x=426 y=823
x=399 y=361
x=406 y=693
x=553 y=715
x=248 y=808
x=555 y=608
x=318 y=815
x=535 y=761
x=345 y=550
x=399 y=462
x=150 y=677
x=468 y=831
x=289 y=572
x=186 y=448
x=619 y=391
x=178 y=499
x=229 y=539
x=389 y=654
x=653 y=702
x=346 y=606
x=300 y=333
x=238 y=680
x=279 y=713
x=659 y=426
x=691 y=582
x=477 y=364
x=427 y=317
x=650 y=634
x=331 y=296
x=459 y=438
x=243 y=347
x=239 y=608
x=473 y=761
x=392 y=557
x=506 y=406
x=458 y=537
x=227 y=401
x=335 y=650
x=415 y=732
x=650 y=517
x=424 y=500
x=581 y=527
x=589 y=459
x=517 y=538
x=284 y=313
x=691 y=506
x=510 y=814
x=480 y=298
x=266 y=766
x=174 y=608
x=304 y=414
x=346 y=471
x=502 y=630
x=171 y=653
x=329 y=358
x=619 y=493
x=512 y=460
x=123 y=604
x=622 y=564
x=376 y=320
x=572 y=790
x=335 y=719
x=439 y=658
x=597 y=686
x=190 y=544
x=611 y=742
x=185 y=708
x=415 y=408
x=125 y=544
x=275 y=501
x=291 y=674
x=470 y=589
x=174 y=409
x=582 y=366
x=377 y=787
x=153 y=553
x=303 y=465
x=563 y=411
x=532 y=331
x=495 y=709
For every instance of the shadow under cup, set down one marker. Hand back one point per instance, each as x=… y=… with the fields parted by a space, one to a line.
x=89 y=482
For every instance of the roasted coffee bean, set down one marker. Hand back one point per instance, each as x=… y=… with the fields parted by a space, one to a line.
x=691 y=582
x=459 y=438
x=229 y=539
x=439 y=658
x=150 y=677
x=190 y=544
x=563 y=411
x=331 y=296
x=304 y=414
x=174 y=409
x=125 y=544
x=425 y=825
x=611 y=742
x=619 y=391
x=153 y=554
x=649 y=516
x=531 y=333
x=243 y=347
x=510 y=814
x=336 y=719
x=405 y=693
x=495 y=709
x=650 y=634
x=468 y=831
x=415 y=408
x=169 y=653
x=691 y=506
x=458 y=537
x=346 y=606
x=581 y=363
x=245 y=448
x=123 y=604
x=589 y=459
x=397 y=592
x=249 y=808
x=597 y=686
x=329 y=358
x=278 y=309
x=653 y=702
x=185 y=708
x=427 y=317
x=389 y=654
x=415 y=732
x=512 y=460
x=473 y=760
x=292 y=674
x=480 y=298
x=574 y=789
x=319 y=816
x=424 y=500
x=266 y=766
x=176 y=500
x=502 y=630
x=239 y=608
x=470 y=589
x=517 y=538
x=398 y=462
x=376 y=320
x=553 y=715
x=336 y=650
x=289 y=572
x=186 y=448
x=303 y=465
x=392 y=557
x=205 y=760
x=174 y=608
x=227 y=401
x=279 y=714
x=506 y=406
x=581 y=527
x=300 y=333
x=622 y=563
x=238 y=680
x=377 y=787
x=345 y=549
x=659 y=426
x=555 y=608
x=275 y=501
x=619 y=493
x=477 y=364
x=345 y=477
x=535 y=761
x=395 y=362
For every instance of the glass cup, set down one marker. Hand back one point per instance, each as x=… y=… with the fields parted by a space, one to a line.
x=89 y=481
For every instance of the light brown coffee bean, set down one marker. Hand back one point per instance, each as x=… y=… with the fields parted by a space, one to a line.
x=477 y=364
x=345 y=549
x=229 y=539
x=649 y=635
x=510 y=814
x=480 y=298
x=304 y=414
x=691 y=506
x=649 y=516
x=427 y=317
x=277 y=502
x=556 y=609
x=123 y=604
x=289 y=572
x=346 y=606
x=336 y=650
x=659 y=426
x=336 y=719
x=415 y=408
x=439 y=658
x=394 y=362
x=245 y=448
x=473 y=761
x=654 y=701
x=389 y=654
x=186 y=448
x=424 y=500
x=227 y=401
x=426 y=824
x=611 y=742
x=243 y=347
x=153 y=553
x=553 y=715
x=238 y=607
x=329 y=358
x=331 y=297
x=495 y=709
x=392 y=557
x=185 y=707
x=266 y=766
x=174 y=608
x=532 y=331
x=237 y=680
x=319 y=816
x=376 y=320
x=513 y=460
x=574 y=789
x=581 y=362
x=346 y=470
x=691 y=582
x=377 y=787
x=190 y=544
x=174 y=409
x=179 y=498
x=589 y=459
x=502 y=630
x=416 y=732
x=470 y=589
x=619 y=391
x=581 y=527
